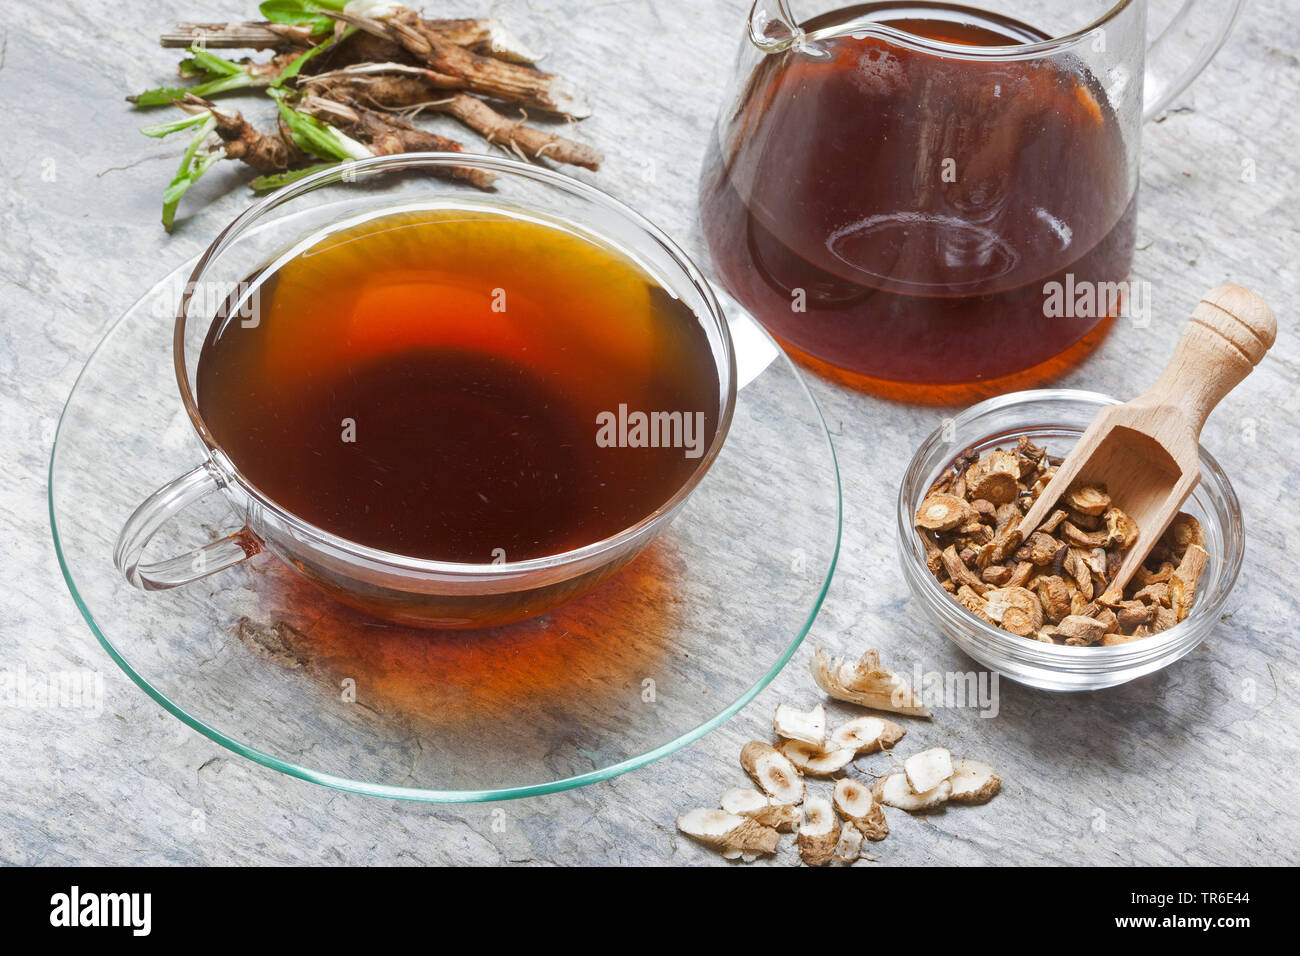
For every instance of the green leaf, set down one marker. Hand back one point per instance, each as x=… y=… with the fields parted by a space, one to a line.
x=221 y=75
x=302 y=12
x=159 y=130
x=213 y=64
x=275 y=180
x=315 y=137
x=162 y=96
x=193 y=166
x=166 y=95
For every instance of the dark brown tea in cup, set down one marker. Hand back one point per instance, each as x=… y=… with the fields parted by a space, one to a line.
x=461 y=385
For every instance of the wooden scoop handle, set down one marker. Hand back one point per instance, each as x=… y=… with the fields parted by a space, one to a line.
x=1229 y=332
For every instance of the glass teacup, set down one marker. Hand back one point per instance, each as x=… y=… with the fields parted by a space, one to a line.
x=397 y=587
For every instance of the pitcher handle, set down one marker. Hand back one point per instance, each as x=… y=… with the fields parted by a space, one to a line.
x=159 y=508
x=1183 y=49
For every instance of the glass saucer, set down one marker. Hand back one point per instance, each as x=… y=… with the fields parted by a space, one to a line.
x=259 y=661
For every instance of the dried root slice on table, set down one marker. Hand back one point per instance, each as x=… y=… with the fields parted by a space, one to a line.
x=748 y=802
x=1052 y=586
x=807 y=726
x=926 y=770
x=819 y=832
x=734 y=836
x=857 y=806
x=814 y=761
x=865 y=735
x=866 y=683
x=933 y=777
x=973 y=781
x=749 y=821
x=894 y=791
x=848 y=849
x=773 y=772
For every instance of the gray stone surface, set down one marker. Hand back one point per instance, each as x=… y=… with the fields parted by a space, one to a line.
x=1195 y=764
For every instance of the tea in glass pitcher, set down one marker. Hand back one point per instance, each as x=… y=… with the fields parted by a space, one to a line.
x=896 y=189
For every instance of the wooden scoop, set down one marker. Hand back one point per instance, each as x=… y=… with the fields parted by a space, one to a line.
x=1146 y=451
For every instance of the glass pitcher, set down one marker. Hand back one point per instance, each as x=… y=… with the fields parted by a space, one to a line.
x=924 y=195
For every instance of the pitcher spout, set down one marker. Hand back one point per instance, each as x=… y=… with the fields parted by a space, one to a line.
x=772 y=27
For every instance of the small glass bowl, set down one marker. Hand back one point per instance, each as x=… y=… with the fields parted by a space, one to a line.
x=1056 y=418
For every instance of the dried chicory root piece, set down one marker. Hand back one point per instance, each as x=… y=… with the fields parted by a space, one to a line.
x=1182 y=586
x=1121 y=530
x=1088 y=499
x=1080 y=631
x=819 y=832
x=1016 y=609
x=944 y=513
x=733 y=835
x=928 y=769
x=748 y=802
x=1054 y=585
x=790 y=723
x=773 y=772
x=866 y=735
x=995 y=477
x=894 y=791
x=849 y=847
x=923 y=785
x=866 y=683
x=857 y=806
x=973 y=781
x=1184 y=531
x=813 y=761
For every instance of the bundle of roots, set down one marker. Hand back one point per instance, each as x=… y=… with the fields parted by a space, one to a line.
x=349 y=80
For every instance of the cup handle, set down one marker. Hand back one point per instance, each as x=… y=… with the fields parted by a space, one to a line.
x=159 y=508
x=1184 y=48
